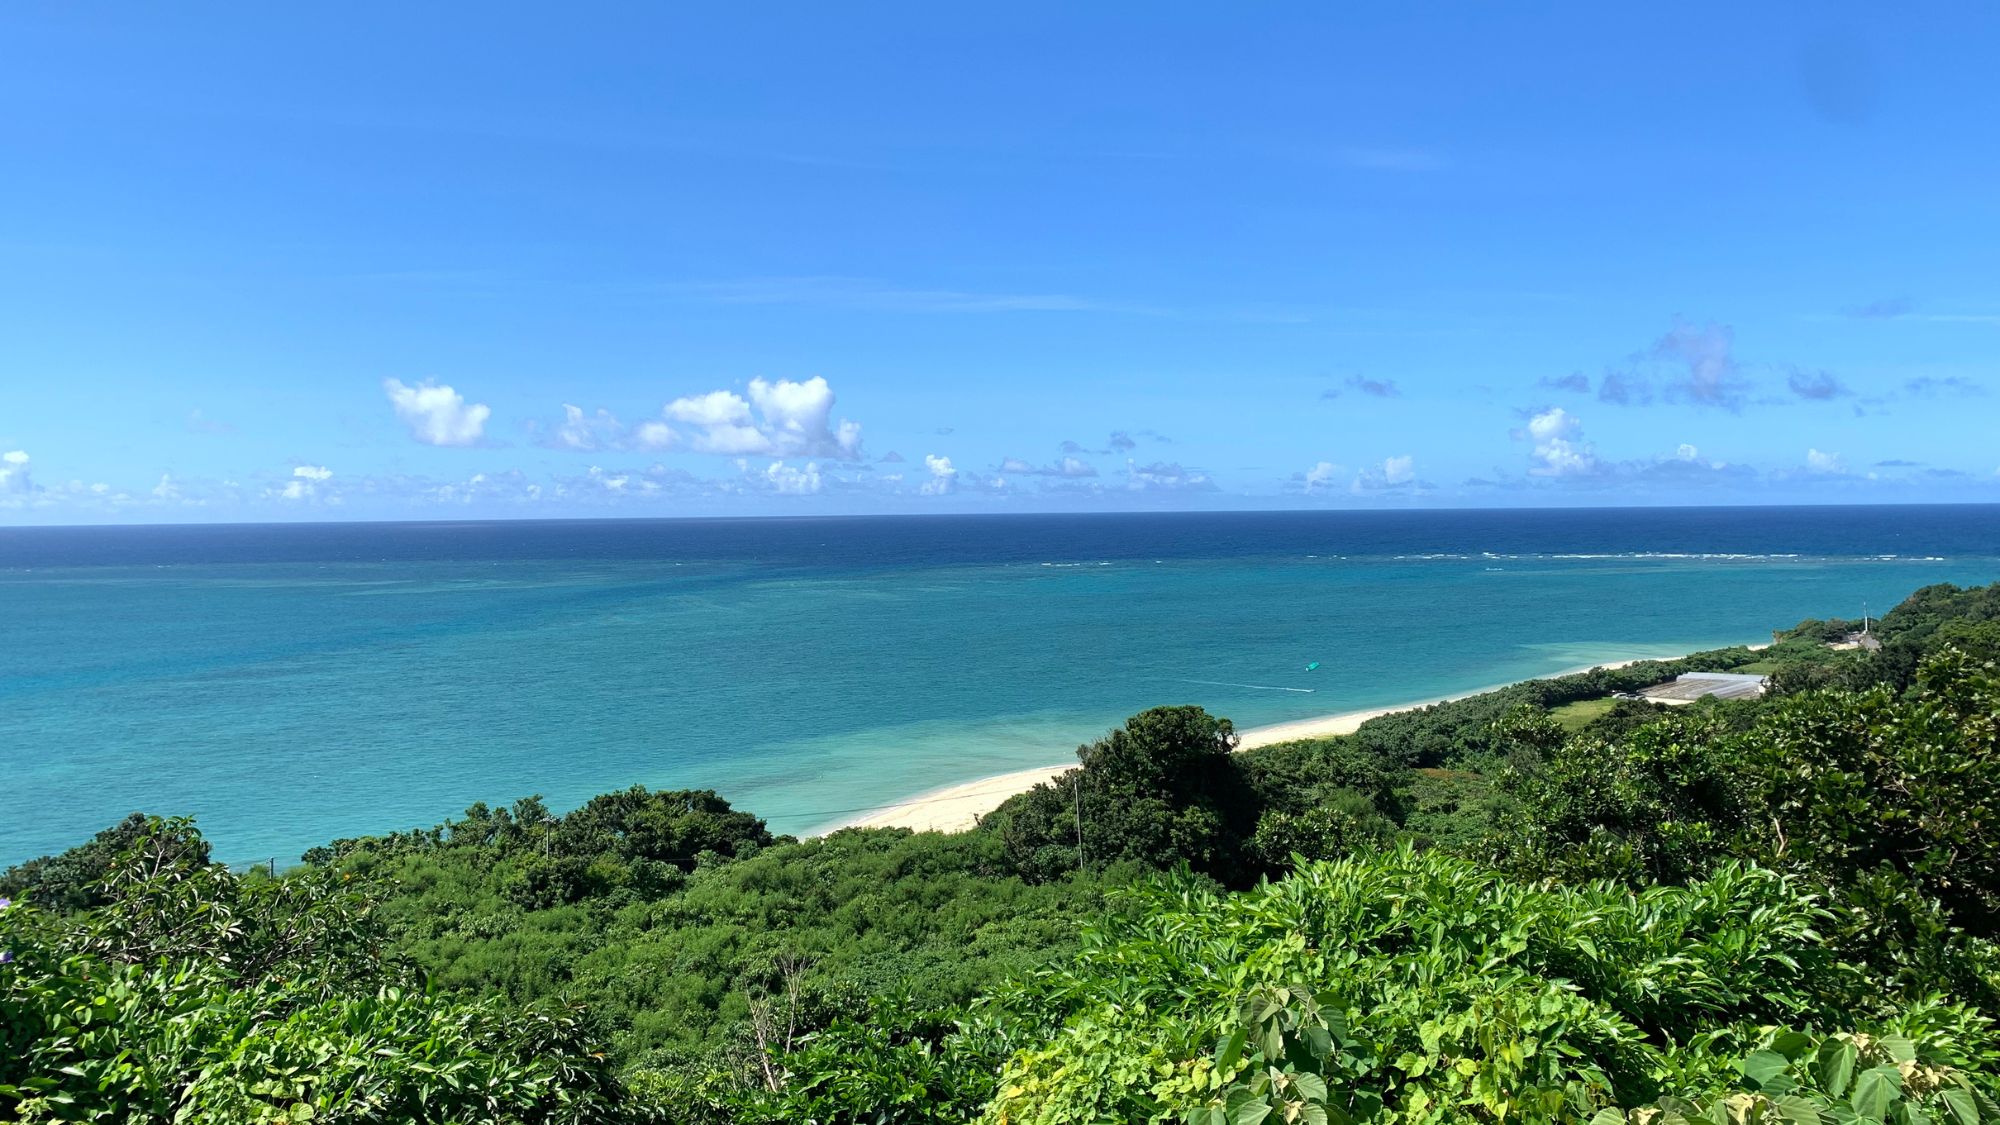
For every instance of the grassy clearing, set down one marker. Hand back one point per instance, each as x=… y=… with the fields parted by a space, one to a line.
x=1573 y=717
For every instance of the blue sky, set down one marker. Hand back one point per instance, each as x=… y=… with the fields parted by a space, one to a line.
x=449 y=260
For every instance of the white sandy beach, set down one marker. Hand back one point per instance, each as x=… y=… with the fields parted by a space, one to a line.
x=957 y=808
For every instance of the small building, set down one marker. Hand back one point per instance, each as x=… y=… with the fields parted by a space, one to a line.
x=1690 y=686
x=1861 y=640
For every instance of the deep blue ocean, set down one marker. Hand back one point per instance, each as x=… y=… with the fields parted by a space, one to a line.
x=287 y=685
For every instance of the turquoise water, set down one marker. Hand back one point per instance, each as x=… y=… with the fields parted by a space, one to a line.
x=287 y=686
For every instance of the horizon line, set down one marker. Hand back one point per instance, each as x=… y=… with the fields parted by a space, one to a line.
x=1117 y=512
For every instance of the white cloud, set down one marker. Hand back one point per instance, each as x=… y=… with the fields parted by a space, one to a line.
x=655 y=435
x=716 y=408
x=1823 y=462
x=18 y=491
x=784 y=417
x=1687 y=452
x=796 y=415
x=437 y=414
x=730 y=439
x=14 y=472
x=1392 y=473
x=510 y=487
x=1319 y=476
x=449 y=492
x=598 y=430
x=1166 y=476
x=1552 y=423
x=778 y=418
x=304 y=484
x=599 y=486
x=944 y=478
x=793 y=481
x=166 y=490
x=1070 y=468
x=1560 y=450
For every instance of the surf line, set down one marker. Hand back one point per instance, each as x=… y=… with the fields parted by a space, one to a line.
x=1254 y=687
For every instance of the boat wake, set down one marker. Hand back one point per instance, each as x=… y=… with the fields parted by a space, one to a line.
x=1253 y=687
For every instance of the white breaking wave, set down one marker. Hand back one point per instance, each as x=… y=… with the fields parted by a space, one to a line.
x=1705 y=556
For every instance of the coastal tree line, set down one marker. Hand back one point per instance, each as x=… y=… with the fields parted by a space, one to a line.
x=1525 y=905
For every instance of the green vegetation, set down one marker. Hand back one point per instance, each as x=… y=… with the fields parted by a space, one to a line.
x=189 y=994
x=1573 y=717
x=1163 y=790
x=1538 y=904
x=1411 y=987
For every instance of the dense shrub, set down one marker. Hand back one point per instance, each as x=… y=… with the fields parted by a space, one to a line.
x=195 y=995
x=1410 y=988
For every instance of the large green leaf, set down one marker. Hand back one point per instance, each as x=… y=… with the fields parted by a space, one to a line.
x=1250 y=1112
x=1833 y=1066
x=1798 y=1111
x=1229 y=1050
x=1875 y=1090
x=1963 y=1106
x=1762 y=1066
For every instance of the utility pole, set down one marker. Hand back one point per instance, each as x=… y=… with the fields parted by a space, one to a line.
x=1076 y=795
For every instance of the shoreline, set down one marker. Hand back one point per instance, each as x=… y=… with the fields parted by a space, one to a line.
x=957 y=808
